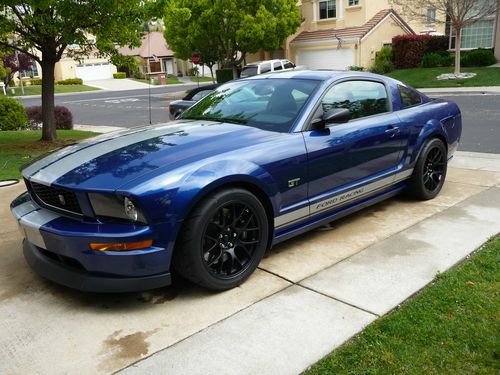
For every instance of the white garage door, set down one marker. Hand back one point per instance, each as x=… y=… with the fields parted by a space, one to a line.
x=92 y=72
x=331 y=58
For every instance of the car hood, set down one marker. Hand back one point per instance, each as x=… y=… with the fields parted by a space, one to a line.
x=110 y=161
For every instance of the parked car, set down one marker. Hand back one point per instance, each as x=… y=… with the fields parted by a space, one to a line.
x=176 y=107
x=252 y=164
x=261 y=67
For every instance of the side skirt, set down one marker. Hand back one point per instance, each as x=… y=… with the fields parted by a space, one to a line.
x=318 y=221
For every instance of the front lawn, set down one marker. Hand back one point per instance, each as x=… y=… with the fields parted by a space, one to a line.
x=201 y=79
x=20 y=147
x=37 y=89
x=451 y=327
x=426 y=77
x=170 y=80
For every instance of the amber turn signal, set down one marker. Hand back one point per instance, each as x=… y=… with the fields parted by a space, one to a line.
x=121 y=246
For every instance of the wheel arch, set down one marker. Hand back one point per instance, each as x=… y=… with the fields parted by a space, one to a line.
x=429 y=132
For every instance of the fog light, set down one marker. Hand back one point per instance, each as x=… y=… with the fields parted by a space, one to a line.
x=121 y=246
x=130 y=209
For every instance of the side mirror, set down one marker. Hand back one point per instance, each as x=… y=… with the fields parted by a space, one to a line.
x=337 y=116
x=333 y=116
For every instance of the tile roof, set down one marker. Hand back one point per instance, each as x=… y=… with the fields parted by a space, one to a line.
x=349 y=32
x=151 y=44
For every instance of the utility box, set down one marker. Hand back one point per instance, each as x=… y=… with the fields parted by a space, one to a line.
x=162 y=79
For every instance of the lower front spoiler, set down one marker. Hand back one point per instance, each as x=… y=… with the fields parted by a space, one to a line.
x=76 y=279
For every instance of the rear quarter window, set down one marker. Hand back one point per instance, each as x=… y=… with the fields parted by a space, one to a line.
x=409 y=97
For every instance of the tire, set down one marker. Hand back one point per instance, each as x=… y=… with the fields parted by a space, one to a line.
x=430 y=171
x=223 y=240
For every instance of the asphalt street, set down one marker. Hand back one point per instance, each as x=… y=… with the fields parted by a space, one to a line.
x=480 y=112
x=116 y=108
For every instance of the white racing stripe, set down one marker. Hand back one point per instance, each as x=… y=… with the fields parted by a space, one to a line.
x=62 y=165
x=338 y=200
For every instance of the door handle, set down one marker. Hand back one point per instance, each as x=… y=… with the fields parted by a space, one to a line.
x=392 y=130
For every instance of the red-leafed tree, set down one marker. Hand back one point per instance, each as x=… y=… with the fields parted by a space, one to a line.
x=11 y=61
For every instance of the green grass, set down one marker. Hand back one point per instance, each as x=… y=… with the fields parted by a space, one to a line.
x=451 y=327
x=20 y=147
x=426 y=77
x=37 y=90
x=170 y=80
x=202 y=79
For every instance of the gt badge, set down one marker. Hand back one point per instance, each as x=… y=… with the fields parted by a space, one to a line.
x=294 y=182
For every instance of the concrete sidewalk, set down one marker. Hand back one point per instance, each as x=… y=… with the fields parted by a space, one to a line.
x=462 y=90
x=309 y=295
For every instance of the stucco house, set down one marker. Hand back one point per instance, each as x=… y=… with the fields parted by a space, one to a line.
x=156 y=55
x=336 y=34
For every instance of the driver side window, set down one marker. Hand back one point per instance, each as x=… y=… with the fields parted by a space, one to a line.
x=361 y=98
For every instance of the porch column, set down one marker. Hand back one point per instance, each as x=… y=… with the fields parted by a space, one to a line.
x=315 y=10
x=340 y=14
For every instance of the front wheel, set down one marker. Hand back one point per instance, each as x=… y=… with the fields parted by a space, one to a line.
x=430 y=171
x=222 y=240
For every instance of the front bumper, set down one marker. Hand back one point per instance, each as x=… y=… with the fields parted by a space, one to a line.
x=81 y=280
x=57 y=247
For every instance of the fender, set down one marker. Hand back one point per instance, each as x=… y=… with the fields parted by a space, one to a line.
x=432 y=129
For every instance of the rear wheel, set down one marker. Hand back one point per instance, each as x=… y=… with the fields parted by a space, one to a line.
x=430 y=171
x=223 y=240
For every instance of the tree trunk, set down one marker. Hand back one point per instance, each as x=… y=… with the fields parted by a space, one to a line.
x=235 y=71
x=458 y=43
x=211 y=67
x=48 y=118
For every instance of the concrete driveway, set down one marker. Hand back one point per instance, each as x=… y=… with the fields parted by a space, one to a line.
x=309 y=295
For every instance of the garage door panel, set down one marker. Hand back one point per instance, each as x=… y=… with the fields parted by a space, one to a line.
x=330 y=58
x=92 y=72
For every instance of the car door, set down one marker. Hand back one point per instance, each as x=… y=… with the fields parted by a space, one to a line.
x=344 y=158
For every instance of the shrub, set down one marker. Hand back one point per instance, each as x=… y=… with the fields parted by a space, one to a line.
x=431 y=60
x=63 y=116
x=224 y=75
x=193 y=71
x=70 y=81
x=36 y=81
x=120 y=75
x=12 y=115
x=383 y=61
x=355 y=68
x=477 y=57
x=410 y=49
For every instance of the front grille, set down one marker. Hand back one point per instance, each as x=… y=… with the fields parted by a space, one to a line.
x=57 y=198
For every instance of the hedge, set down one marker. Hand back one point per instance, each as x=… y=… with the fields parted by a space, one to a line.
x=410 y=49
x=63 y=117
x=120 y=75
x=12 y=115
x=224 y=75
x=477 y=57
x=70 y=81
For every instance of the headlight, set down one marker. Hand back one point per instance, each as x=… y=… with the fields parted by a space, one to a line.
x=109 y=206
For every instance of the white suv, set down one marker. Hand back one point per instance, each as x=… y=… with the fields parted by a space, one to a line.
x=261 y=67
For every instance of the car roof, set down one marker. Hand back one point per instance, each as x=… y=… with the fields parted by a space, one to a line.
x=255 y=63
x=317 y=75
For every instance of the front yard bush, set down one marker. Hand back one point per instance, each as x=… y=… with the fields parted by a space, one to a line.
x=12 y=115
x=64 y=117
x=434 y=59
x=355 y=68
x=383 y=61
x=478 y=57
x=119 y=75
x=224 y=75
x=70 y=81
x=409 y=50
x=36 y=81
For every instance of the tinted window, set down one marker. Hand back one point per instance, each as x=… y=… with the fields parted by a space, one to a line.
x=248 y=71
x=201 y=94
x=409 y=97
x=264 y=68
x=361 y=98
x=277 y=66
x=269 y=104
x=289 y=65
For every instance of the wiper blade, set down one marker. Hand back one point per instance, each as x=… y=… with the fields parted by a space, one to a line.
x=217 y=119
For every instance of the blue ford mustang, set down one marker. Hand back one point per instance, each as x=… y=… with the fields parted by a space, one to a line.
x=252 y=164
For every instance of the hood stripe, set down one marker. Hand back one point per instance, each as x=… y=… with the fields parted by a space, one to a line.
x=66 y=163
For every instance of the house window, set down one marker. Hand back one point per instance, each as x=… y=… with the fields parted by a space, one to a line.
x=431 y=15
x=327 y=9
x=353 y=3
x=476 y=35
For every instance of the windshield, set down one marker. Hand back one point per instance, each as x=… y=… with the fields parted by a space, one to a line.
x=249 y=71
x=269 y=104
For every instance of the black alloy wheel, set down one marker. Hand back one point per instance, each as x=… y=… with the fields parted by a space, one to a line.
x=430 y=171
x=222 y=240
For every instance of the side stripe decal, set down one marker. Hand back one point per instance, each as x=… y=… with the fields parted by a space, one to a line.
x=339 y=200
